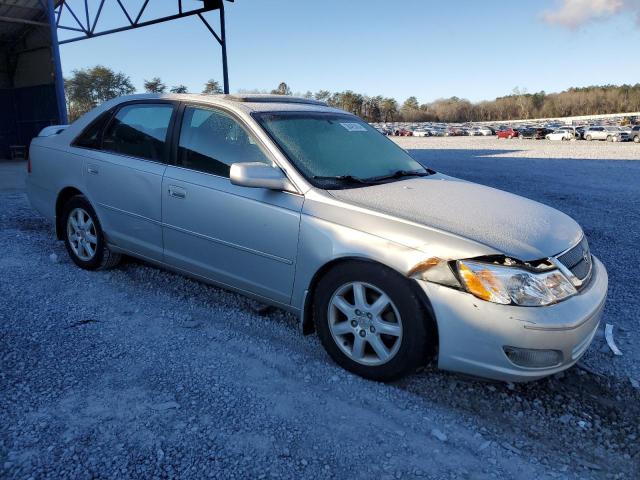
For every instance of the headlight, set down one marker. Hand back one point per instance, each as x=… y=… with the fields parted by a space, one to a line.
x=513 y=285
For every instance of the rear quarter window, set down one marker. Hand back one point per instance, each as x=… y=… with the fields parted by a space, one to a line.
x=92 y=134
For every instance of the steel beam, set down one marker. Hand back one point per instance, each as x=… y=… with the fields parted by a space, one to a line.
x=55 y=51
x=223 y=44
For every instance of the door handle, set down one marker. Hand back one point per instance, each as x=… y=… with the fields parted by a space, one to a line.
x=177 y=192
x=92 y=169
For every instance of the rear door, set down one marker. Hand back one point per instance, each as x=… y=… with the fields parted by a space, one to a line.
x=124 y=176
x=243 y=237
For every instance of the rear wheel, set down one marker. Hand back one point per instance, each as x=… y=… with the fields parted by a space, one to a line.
x=609 y=138
x=370 y=322
x=636 y=139
x=588 y=138
x=84 y=238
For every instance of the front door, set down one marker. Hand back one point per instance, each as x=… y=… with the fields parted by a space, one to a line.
x=243 y=237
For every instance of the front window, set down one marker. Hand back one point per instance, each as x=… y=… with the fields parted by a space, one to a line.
x=325 y=146
x=211 y=141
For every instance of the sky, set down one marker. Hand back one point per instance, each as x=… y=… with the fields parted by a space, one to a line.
x=431 y=49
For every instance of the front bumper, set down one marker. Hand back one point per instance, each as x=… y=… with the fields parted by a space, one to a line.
x=473 y=333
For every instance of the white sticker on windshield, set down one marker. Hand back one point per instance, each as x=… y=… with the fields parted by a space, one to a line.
x=353 y=127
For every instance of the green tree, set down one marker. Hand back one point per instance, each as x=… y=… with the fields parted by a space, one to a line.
x=212 y=87
x=86 y=88
x=411 y=110
x=411 y=103
x=322 y=95
x=388 y=109
x=179 y=89
x=154 y=85
x=351 y=102
x=283 y=89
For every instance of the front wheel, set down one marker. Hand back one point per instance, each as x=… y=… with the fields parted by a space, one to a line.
x=588 y=138
x=84 y=238
x=636 y=139
x=371 y=322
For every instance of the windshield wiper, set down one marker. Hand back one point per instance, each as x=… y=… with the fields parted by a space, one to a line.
x=344 y=179
x=401 y=173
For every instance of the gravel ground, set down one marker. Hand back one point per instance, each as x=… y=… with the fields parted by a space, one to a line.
x=139 y=373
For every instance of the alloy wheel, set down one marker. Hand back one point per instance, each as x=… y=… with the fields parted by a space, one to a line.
x=365 y=323
x=82 y=235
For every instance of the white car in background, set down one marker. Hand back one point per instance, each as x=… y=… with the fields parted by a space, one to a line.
x=560 y=134
x=608 y=133
x=485 y=131
x=420 y=133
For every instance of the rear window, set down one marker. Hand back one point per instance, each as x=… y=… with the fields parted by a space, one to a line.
x=139 y=130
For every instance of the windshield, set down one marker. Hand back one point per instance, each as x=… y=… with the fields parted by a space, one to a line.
x=325 y=145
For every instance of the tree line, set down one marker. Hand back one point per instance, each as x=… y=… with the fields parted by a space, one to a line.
x=87 y=88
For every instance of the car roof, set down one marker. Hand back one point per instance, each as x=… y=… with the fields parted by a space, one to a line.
x=246 y=102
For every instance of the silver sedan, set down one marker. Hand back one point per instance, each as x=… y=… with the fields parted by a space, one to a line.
x=309 y=208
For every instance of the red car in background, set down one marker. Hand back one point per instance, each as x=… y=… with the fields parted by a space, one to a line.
x=508 y=133
x=403 y=132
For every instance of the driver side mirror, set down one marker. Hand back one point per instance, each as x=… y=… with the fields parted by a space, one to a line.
x=259 y=175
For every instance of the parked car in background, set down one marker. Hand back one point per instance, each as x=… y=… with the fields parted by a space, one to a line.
x=608 y=133
x=309 y=208
x=420 y=133
x=560 y=134
x=486 y=131
x=454 y=132
x=528 y=132
x=635 y=133
x=508 y=133
x=437 y=132
x=625 y=133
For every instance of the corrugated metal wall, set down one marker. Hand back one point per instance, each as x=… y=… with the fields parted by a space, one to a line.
x=27 y=89
x=24 y=112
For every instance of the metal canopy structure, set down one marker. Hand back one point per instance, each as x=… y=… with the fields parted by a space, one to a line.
x=86 y=22
x=19 y=18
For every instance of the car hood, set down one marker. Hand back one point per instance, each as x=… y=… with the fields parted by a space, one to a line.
x=518 y=227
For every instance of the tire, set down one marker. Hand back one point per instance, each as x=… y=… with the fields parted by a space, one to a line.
x=588 y=138
x=85 y=240
x=510 y=137
x=411 y=335
x=609 y=138
x=636 y=139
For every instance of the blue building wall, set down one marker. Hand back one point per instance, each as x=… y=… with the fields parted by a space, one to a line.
x=24 y=112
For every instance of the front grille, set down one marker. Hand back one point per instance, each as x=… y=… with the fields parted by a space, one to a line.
x=578 y=259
